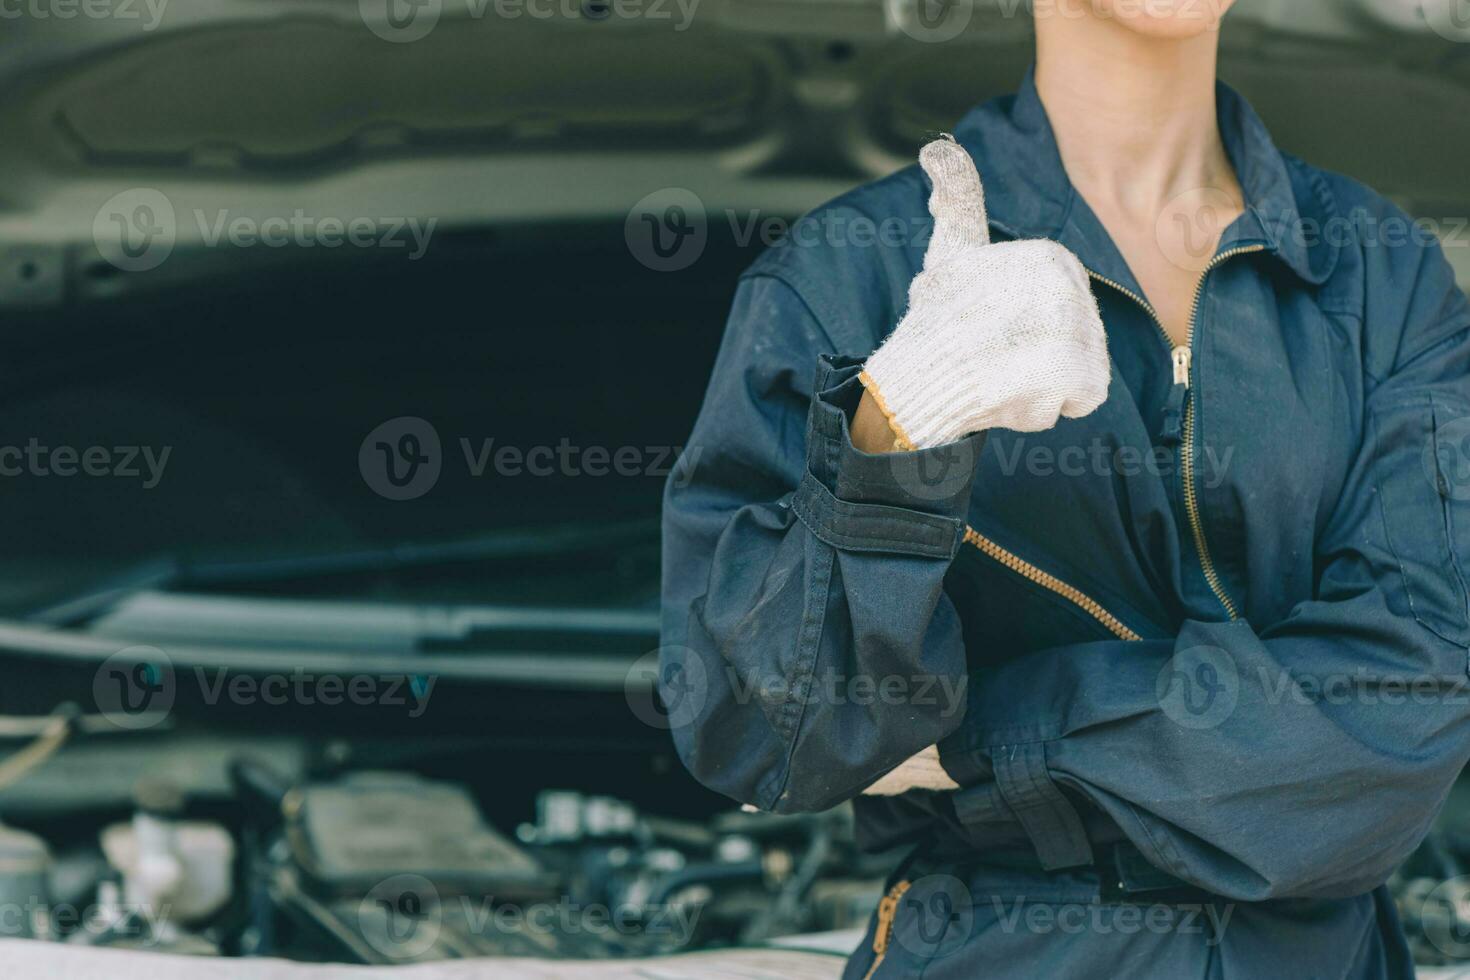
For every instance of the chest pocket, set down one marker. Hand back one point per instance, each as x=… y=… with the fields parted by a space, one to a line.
x=1422 y=474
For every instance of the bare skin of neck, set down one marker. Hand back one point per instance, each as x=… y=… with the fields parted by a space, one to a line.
x=1134 y=118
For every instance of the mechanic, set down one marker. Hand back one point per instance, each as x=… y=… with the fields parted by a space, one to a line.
x=1144 y=775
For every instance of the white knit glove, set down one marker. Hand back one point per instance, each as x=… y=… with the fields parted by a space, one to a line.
x=996 y=336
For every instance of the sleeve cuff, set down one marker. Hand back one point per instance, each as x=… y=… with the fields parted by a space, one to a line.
x=926 y=483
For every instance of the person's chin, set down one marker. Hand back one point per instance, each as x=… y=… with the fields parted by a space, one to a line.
x=1164 y=19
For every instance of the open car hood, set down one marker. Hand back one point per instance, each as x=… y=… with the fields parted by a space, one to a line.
x=476 y=111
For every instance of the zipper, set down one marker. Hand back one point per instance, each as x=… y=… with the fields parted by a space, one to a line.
x=1181 y=357
x=1048 y=581
x=883 y=933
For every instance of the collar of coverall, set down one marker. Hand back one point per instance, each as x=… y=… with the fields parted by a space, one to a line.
x=1028 y=195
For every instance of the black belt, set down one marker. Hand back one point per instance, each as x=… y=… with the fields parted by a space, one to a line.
x=1124 y=876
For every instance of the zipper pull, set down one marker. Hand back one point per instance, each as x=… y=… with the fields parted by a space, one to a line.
x=1173 y=428
x=887 y=911
x=1181 y=356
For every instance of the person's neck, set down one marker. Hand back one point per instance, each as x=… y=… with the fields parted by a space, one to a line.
x=1134 y=117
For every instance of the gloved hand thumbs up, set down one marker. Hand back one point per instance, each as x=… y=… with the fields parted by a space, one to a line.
x=1003 y=336
x=957 y=201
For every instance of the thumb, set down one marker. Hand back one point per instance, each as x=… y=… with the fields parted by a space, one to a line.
x=957 y=201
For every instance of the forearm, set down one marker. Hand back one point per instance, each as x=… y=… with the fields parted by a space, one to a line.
x=1257 y=768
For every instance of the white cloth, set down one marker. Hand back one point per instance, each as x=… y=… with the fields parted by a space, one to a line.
x=1001 y=336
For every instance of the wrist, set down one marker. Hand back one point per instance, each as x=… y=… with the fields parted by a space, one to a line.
x=873 y=429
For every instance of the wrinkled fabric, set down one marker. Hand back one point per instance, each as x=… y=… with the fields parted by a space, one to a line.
x=1279 y=750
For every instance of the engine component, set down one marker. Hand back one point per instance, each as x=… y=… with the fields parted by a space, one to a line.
x=24 y=863
x=392 y=868
x=169 y=863
x=350 y=835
